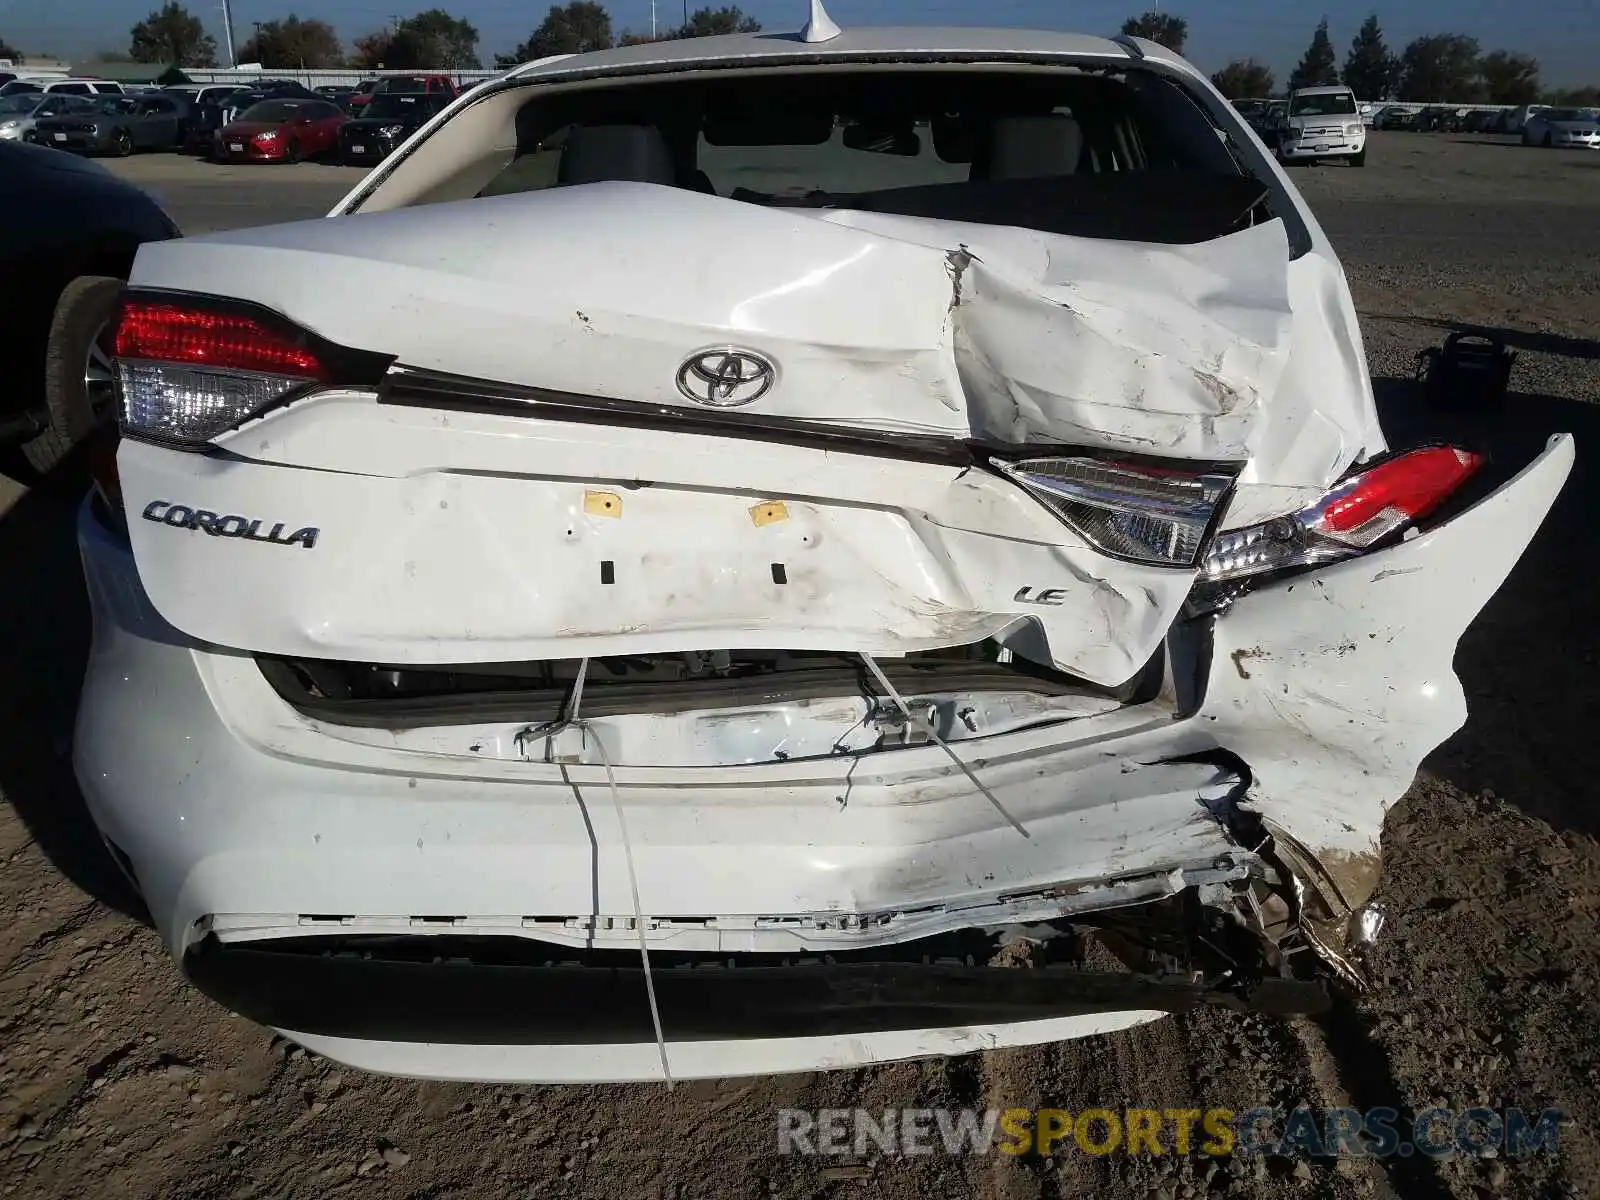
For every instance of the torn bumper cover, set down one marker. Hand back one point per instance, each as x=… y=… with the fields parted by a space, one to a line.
x=1249 y=798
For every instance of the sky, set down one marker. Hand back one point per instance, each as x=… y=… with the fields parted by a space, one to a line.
x=1564 y=35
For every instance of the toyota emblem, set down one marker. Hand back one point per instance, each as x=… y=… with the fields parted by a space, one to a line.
x=726 y=377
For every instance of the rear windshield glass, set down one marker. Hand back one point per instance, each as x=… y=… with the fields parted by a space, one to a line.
x=1334 y=104
x=402 y=83
x=272 y=112
x=399 y=106
x=1095 y=155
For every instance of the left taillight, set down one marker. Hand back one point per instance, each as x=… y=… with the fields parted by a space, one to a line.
x=1158 y=516
x=190 y=370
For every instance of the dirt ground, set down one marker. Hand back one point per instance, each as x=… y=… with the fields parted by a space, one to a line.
x=117 y=1079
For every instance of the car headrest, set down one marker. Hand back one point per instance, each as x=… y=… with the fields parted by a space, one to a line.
x=1034 y=147
x=619 y=153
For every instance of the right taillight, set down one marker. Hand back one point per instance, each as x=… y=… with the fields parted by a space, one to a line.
x=190 y=370
x=1349 y=518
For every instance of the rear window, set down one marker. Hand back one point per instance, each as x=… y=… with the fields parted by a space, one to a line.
x=400 y=84
x=1334 y=104
x=1097 y=155
x=400 y=106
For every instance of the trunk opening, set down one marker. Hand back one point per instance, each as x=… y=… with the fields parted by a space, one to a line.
x=702 y=708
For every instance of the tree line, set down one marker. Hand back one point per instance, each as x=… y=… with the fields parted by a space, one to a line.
x=173 y=35
x=1440 y=66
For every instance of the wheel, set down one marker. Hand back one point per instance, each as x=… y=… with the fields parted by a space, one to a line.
x=291 y=152
x=1548 y=141
x=1359 y=158
x=79 y=381
x=122 y=144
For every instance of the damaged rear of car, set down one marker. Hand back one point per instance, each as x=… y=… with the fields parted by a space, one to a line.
x=802 y=546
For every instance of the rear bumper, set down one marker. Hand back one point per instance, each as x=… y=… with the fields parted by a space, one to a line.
x=1296 y=151
x=247 y=825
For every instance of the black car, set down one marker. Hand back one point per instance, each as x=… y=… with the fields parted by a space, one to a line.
x=206 y=117
x=1396 y=118
x=385 y=121
x=68 y=232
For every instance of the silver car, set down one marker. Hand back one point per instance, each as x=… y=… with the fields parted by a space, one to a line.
x=1563 y=127
x=19 y=112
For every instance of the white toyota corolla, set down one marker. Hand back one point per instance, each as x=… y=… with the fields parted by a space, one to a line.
x=750 y=554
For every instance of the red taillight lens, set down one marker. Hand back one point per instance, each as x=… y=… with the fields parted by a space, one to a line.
x=169 y=333
x=1410 y=486
x=187 y=372
x=1351 y=517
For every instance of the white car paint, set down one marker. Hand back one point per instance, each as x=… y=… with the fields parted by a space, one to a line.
x=770 y=826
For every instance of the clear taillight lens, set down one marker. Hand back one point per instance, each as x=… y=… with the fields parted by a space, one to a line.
x=1351 y=517
x=186 y=375
x=1142 y=514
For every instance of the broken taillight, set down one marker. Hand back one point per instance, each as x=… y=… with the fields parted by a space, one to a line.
x=1352 y=516
x=1143 y=514
x=189 y=369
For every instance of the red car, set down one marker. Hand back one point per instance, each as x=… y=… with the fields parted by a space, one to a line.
x=280 y=131
x=391 y=85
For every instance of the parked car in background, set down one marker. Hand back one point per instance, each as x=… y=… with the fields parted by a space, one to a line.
x=1396 y=117
x=1480 y=120
x=282 y=89
x=20 y=87
x=393 y=85
x=20 y=111
x=117 y=125
x=1323 y=123
x=336 y=93
x=1562 y=127
x=210 y=112
x=1021 y=556
x=281 y=131
x=360 y=96
x=68 y=228
x=383 y=124
x=1516 y=118
x=85 y=87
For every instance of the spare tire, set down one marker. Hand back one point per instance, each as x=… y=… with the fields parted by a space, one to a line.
x=79 y=386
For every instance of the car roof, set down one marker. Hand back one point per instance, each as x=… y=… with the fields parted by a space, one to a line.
x=758 y=49
x=1326 y=90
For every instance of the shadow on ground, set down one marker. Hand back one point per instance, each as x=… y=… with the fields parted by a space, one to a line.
x=1517 y=339
x=1529 y=662
x=44 y=643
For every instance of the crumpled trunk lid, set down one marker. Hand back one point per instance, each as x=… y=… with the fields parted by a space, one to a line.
x=455 y=533
x=873 y=321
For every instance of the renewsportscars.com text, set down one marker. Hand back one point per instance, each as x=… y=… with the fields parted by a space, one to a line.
x=1300 y=1131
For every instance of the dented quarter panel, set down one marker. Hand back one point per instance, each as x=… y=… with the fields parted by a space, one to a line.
x=1334 y=686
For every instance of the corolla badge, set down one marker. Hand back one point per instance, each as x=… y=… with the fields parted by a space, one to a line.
x=726 y=377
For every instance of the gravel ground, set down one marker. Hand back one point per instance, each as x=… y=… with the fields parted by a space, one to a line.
x=117 y=1079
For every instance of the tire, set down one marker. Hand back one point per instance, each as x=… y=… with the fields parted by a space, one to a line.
x=78 y=388
x=1359 y=159
x=291 y=152
x=122 y=147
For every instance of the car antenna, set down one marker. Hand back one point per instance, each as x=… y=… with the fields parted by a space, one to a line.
x=820 y=28
x=548 y=732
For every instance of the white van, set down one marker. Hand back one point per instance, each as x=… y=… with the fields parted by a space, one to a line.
x=1323 y=122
